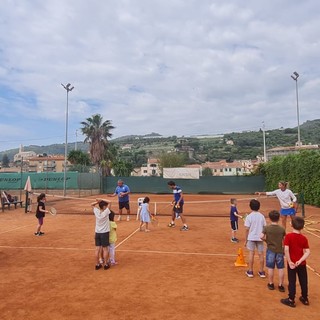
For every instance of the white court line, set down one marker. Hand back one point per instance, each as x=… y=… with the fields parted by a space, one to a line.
x=128 y=237
x=46 y=248
x=312 y=233
x=180 y=253
x=28 y=225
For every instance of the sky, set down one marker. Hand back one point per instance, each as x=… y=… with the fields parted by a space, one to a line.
x=178 y=67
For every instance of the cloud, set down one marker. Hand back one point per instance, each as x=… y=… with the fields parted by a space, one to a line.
x=173 y=67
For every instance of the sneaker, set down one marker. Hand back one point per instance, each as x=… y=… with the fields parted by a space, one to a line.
x=249 y=274
x=98 y=266
x=119 y=218
x=184 y=228
x=237 y=240
x=234 y=240
x=270 y=286
x=106 y=266
x=262 y=274
x=128 y=218
x=37 y=234
x=41 y=233
x=288 y=302
x=304 y=301
x=281 y=288
x=114 y=263
x=171 y=225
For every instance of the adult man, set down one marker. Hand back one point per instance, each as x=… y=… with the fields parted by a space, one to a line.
x=122 y=191
x=177 y=203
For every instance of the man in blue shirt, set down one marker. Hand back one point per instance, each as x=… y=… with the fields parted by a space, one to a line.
x=177 y=203
x=122 y=191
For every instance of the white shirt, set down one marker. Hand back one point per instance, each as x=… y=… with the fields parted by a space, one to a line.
x=285 y=197
x=102 y=220
x=255 y=221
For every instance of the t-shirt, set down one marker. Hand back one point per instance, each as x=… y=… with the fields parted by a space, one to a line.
x=296 y=243
x=255 y=221
x=102 y=220
x=285 y=197
x=177 y=191
x=113 y=232
x=123 y=188
x=40 y=214
x=233 y=210
x=274 y=237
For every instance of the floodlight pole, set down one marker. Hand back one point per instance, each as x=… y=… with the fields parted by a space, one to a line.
x=68 y=89
x=264 y=143
x=295 y=77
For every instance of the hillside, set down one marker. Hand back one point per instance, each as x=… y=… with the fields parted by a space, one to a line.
x=246 y=145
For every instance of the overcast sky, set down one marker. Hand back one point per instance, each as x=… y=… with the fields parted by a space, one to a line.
x=178 y=67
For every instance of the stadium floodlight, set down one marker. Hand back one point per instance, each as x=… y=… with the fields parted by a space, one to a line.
x=68 y=89
x=295 y=77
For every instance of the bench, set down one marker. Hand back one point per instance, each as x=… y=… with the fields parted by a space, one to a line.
x=6 y=203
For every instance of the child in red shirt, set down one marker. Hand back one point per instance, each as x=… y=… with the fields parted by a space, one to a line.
x=296 y=249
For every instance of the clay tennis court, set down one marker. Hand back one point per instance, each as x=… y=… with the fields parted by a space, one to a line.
x=164 y=274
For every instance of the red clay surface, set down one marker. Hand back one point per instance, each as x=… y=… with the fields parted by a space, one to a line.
x=164 y=274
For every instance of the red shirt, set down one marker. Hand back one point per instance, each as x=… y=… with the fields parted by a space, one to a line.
x=296 y=243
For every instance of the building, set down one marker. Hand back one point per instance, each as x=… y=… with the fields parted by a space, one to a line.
x=151 y=169
x=23 y=155
x=47 y=164
x=284 y=151
x=223 y=168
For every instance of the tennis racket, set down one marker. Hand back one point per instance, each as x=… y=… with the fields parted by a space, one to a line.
x=244 y=217
x=53 y=211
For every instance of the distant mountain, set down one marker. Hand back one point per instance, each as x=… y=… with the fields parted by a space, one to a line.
x=246 y=145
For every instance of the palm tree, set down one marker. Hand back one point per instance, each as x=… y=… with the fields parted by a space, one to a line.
x=97 y=133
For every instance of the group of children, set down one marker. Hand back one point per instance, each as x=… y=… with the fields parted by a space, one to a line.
x=293 y=246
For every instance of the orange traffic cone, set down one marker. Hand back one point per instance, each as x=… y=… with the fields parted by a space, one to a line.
x=240 y=262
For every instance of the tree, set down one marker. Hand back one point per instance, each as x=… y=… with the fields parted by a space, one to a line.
x=5 y=161
x=79 y=157
x=122 y=168
x=171 y=160
x=97 y=133
x=207 y=172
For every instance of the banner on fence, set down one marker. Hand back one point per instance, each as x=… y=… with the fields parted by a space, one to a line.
x=181 y=173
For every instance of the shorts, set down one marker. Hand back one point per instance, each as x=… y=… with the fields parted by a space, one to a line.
x=40 y=221
x=124 y=204
x=102 y=239
x=287 y=212
x=179 y=210
x=274 y=259
x=252 y=245
x=234 y=225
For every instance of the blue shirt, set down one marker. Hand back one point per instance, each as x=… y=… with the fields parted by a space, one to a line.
x=123 y=188
x=233 y=210
x=177 y=194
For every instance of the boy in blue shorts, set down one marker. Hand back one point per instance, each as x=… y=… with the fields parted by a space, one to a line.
x=274 y=234
x=234 y=215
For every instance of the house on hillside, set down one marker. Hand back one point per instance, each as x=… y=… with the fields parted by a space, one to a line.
x=150 y=169
x=284 y=151
x=47 y=164
x=223 y=168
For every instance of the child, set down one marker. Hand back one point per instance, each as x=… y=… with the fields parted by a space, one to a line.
x=273 y=235
x=296 y=249
x=234 y=215
x=254 y=224
x=40 y=213
x=145 y=214
x=112 y=239
x=102 y=230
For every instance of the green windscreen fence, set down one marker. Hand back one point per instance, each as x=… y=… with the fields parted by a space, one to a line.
x=204 y=185
x=49 y=180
